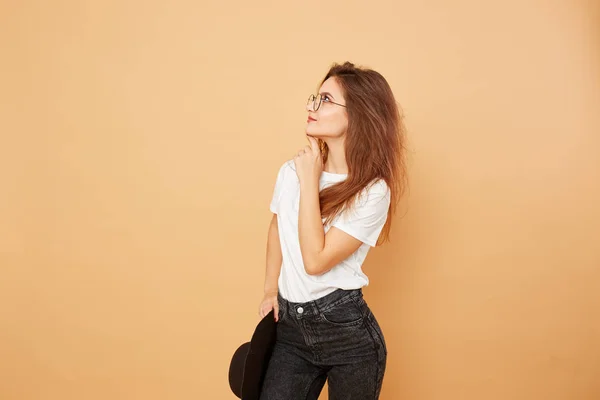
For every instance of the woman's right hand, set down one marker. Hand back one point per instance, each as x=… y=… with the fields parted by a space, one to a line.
x=269 y=303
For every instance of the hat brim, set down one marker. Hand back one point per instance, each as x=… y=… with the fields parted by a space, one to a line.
x=249 y=363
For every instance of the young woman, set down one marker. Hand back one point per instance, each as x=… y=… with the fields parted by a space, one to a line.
x=332 y=202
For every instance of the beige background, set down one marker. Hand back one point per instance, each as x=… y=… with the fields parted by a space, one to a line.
x=140 y=145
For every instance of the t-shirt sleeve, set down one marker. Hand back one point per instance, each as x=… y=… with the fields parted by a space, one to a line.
x=366 y=219
x=274 y=207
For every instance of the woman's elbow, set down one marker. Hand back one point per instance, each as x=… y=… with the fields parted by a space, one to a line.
x=314 y=269
x=310 y=269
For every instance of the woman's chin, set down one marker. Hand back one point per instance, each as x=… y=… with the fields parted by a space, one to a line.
x=311 y=131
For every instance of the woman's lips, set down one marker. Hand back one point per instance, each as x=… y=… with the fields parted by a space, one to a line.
x=310 y=119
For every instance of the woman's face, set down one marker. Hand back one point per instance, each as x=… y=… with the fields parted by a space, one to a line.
x=330 y=120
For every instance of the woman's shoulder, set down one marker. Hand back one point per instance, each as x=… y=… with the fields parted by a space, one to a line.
x=287 y=172
x=374 y=193
x=287 y=165
x=377 y=188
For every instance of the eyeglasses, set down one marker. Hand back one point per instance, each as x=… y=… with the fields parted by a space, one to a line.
x=316 y=101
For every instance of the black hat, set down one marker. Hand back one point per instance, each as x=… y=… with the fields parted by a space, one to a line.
x=249 y=362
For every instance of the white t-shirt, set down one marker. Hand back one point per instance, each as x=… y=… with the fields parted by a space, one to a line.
x=364 y=221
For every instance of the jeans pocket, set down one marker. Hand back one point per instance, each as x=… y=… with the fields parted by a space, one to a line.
x=347 y=313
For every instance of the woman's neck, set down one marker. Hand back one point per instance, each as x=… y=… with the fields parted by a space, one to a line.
x=336 y=159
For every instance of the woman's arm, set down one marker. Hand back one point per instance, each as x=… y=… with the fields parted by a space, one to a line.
x=274 y=258
x=320 y=252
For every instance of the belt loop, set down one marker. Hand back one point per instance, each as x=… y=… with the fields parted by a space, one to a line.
x=283 y=306
x=315 y=308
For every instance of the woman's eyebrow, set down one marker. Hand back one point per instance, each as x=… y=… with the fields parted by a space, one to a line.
x=327 y=94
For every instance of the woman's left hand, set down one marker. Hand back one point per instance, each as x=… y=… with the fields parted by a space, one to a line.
x=308 y=161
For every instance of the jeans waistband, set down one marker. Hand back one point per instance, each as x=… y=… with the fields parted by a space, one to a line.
x=324 y=303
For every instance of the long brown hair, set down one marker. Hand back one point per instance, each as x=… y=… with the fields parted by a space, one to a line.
x=374 y=143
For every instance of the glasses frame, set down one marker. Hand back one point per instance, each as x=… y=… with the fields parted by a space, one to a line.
x=312 y=98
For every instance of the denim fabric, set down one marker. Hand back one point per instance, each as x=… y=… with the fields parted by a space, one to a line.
x=334 y=338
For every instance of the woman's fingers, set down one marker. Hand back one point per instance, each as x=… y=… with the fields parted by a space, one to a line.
x=305 y=149
x=264 y=310
x=314 y=144
x=267 y=305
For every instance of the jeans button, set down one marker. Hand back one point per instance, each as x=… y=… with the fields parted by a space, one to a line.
x=300 y=310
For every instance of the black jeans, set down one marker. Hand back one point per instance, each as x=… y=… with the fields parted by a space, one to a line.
x=334 y=338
